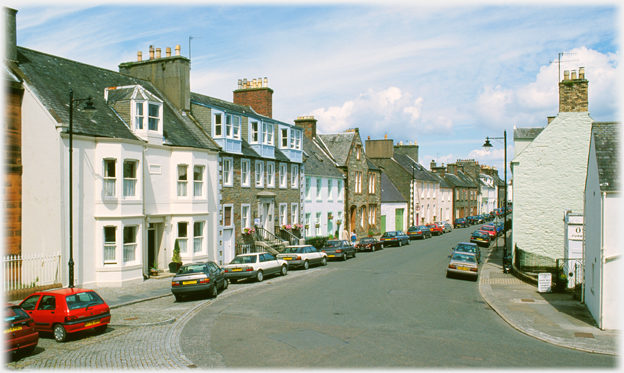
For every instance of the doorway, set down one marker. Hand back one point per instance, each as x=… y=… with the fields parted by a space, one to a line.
x=398 y=223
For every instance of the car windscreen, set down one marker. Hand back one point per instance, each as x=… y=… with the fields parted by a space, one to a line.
x=332 y=244
x=479 y=234
x=12 y=314
x=292 y=250
x=367 y=240
x=192 y=268
x=389 y=234
x=82 y=300
x=466 y=248
x=464 y=258
x=244 y=259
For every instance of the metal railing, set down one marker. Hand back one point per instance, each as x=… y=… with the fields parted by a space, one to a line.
x=530 y=262
x=22 y=272
x=289 y=236
x=268 y=237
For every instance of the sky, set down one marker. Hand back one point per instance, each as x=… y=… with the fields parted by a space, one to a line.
x=444 y=77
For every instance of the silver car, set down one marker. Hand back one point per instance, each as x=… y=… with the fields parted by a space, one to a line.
x=463 y=264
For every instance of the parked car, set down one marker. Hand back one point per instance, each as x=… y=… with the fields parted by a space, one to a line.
x=20 y=334
x=66 y=311
x=254 y=266
x=369 y=243
x=461 y=223
x=446 y=225
x=499 y=227
x=471 y=219
x=338 y=249
x=436 y=229
x=398 y=238
x=302 y=256
x=468 y=247
x=490 y=229
x=463 y=264
x=198 y=278
x=480 y=238
x=420 y=231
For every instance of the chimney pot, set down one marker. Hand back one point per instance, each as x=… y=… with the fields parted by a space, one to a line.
x=157 y=52
x=566 y=75
x=266 y=82
x=581 y=73
x=151 y=52
x=177 y=49
x=168 y=52
x=369 y=137
x=573 y=74
x=240 y=83
x=245 y=83
x=386 y=136
x=139 y=56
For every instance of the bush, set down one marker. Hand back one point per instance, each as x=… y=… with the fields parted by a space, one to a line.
x=176 y=253
x=318 y=242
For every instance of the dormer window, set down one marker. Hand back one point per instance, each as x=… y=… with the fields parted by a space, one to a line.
x=218 y=123
x=267 y=135
x=232 y=126
x=138 y=116
x=255 y=133
x=153 y=116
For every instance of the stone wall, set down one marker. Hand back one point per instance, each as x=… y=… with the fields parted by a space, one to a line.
x=13 y=169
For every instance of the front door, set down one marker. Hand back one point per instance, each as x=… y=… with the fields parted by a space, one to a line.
x=151 y=246
x=228 y=245
x=383 y=224
x=398 y=223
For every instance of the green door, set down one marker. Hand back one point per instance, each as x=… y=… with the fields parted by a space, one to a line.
x=398 y=223
x=383 y=224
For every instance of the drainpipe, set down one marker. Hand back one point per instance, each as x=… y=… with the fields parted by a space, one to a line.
x=602 y=259
x=145 y=223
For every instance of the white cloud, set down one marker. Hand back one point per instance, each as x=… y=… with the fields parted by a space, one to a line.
x=335 y=119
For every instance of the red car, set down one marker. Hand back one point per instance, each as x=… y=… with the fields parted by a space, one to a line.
x=490 y=229
x=64 y=311
x=20 y=334
x=436 y=229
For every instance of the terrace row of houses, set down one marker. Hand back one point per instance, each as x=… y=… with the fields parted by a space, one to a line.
x=157 y=166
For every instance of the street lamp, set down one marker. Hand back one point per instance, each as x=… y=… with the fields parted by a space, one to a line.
x=489 y=145
x=89 y=109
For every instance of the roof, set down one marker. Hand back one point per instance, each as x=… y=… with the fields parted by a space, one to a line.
x=442 y=181
x=51 y=79
x=415 y=168
x=371 y=165
x=460 y=180
x=339 y=145
x=389 y=192
x=606 y=137
x=527 y=132
x=317 y=163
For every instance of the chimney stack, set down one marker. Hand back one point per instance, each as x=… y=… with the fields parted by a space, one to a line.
x=573 y=92
x=308 y=123
x=151 y=52
x=409 y=150
x=255 y=94
x=10 y=33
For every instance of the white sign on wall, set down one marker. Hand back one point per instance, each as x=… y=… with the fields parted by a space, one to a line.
x=575 y=232
x=544 y=282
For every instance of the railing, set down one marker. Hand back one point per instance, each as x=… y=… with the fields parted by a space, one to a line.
x=289 y=236
x=247 y=249
x=31 y=271
x=529 y=262
x=268 y=237
x=573 y=269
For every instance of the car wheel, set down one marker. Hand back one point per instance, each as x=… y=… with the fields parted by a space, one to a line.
x=400 y=243
x=101 y=329
x=306 y=265
x=353 y=254
x=60 y=335
x=373 y=249
x=225 y=284
x=178 y=297
x=213 y=292
x=233 y=280
x=259 y=276
x=344 y=257
x=284 y=271
x=324 y=261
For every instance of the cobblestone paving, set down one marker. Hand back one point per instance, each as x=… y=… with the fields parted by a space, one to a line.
x=138 y=347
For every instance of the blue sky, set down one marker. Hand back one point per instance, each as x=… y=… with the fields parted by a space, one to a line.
x=445 y=76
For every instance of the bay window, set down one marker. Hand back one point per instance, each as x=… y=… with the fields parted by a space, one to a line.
x=129 y=243
x=182 y=180
x=198 y=181
x=109 y=177
x=110 y=244
x=182 y=236
x=198 y=236
x=129 y=178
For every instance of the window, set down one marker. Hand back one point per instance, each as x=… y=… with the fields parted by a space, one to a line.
x=340 y=191
x=153 y=117
x=110 y=244
x=358 y=182
x=227 y=216
x=182 y=180
x=130 y=180
x=292 y=138
x=236 y=126
x=284 y=138
x=308 y=188
x=198 y=236
x=308 y=230
x=182 y=236
x=109 y=177
x=259 y=174
x=371 y=215
x=357 y=152
x=317 y=224
x=245 y=217
x=198 y=180
x=130 y=244
x=282 y=214
x=330 y=190
x=218 y=125
x=319 y=188
x=298 y=140
x=294 y=175
x=362 y=215
x=254 y=132
x=294 y=211
x=283 y=173
x=228 y=126
x=232 y=126
x=371 y=183
x=270 y=174
x=245 y=173
x=268 y=133
x=138 y=116
x=339 y=218
x=227 y=172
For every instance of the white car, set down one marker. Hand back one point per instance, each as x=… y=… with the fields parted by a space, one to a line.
x=447 y=226
x=302 y=256
x=255 y=265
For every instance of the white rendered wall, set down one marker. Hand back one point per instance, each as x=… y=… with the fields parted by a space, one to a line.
x=389 y=210
x=314 y=205
x=549 y=177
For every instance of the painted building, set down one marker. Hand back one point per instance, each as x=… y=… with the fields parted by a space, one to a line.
x=602 y=230
x=394 y=206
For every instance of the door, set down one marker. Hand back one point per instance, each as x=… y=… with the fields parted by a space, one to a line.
x=228 y=245
x=383 y=224
x=398 y=223
x=151 y=246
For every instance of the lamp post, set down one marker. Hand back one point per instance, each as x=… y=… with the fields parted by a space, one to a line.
x=89 y=110
x=489 y=145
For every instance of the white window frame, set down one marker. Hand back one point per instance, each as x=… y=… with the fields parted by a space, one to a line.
x=139 y=115
x=319 y=189
x=109 y=252
x=330 y=190
x=284 y=140
x=308 y=188
x=228 y=172
x=294 y=176
x=109 y=182
x=130 y=181
x=198 y=240
x=232 y=126
x=198 y=180
x=182 y=236
x=259 y=174
x=151 y=119
x=371 y=182
x=283 y=213
x=267 y=137
x=283 y=175
x=308 y=222
x=340 y=190
x=245 y=173
x=129 y=247
x=227 y=207
x=245 y=216
x=362 y=215
x=319 y=221
x=256 y=132
x=271 y=174
x=358 y=182
x=217 y=119
x=182 y=181
x=294 y=213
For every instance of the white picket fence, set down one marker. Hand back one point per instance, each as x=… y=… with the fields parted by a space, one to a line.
x=22 y=272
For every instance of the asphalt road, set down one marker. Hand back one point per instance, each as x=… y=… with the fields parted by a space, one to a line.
x=390 y=308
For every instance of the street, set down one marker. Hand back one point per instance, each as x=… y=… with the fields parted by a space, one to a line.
x=390 y=308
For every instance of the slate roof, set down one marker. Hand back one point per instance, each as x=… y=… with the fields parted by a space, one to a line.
x=527 y=132
x=420 y=172
x=460 y=180
x=371 y=165
x=606 y=136
x=51 y=78
x=339 y=145
x=317 y=163
x=441 y=180
x=389 y=192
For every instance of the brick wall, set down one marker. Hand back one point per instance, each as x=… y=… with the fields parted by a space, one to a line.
x=573 y=93
x=13 y=168
x=260 y=99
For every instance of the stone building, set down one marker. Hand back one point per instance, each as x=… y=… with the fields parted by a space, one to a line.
x=465 y=188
